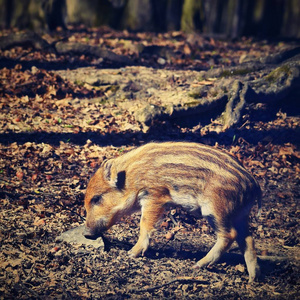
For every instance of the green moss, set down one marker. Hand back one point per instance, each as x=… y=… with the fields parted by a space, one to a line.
x=121 y=150
x=191 y=103
x=68 y=126
x=114 y=88
x=227 y=73
x=103 y=101
x=79 y=83
x=278 y=72
x=195 y=95
x=214 y=93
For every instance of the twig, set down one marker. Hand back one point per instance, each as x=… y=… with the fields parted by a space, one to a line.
x=272 y=258
x=23 y=287
x=245 y=123
x=29 y=272
x=173 y=220
x=178 y=279
x=65 y=292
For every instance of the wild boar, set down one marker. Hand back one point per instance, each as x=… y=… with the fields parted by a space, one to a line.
x=199 y=178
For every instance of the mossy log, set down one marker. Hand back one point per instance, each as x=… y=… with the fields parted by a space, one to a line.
x=61 y=47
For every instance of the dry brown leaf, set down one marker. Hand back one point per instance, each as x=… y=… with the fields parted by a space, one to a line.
x=255 y=163
x=287 y=150
x=39 y=222
x=169 y=236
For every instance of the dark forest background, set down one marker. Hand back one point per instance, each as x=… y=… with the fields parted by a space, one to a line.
x=228 y=18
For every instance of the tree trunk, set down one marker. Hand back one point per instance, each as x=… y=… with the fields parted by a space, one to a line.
x=138 y=15
x=191 y=13
x=231 y=18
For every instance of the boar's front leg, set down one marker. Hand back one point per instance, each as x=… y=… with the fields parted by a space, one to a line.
x=152 y=209
x=150 y=215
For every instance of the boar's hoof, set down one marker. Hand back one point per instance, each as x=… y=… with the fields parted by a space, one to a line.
x=134 y=253
x=201 y=264
x=253 y=276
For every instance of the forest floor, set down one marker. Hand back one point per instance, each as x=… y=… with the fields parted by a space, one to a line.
x=56 y=127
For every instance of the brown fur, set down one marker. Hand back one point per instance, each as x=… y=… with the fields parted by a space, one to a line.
x=194 y=176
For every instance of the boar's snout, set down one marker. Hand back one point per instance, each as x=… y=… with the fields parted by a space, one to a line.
x=90 y=233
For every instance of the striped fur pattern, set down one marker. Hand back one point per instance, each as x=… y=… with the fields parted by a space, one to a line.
x=199 y=178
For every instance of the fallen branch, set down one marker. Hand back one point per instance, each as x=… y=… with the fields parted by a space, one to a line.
x=78 y=48
x=23 y=39
x=272 y=258
x=178 y=279
x=60 y=46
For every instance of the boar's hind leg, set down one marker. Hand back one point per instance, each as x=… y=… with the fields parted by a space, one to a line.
x=246 y=244
x=152 y=210
x=224 y=241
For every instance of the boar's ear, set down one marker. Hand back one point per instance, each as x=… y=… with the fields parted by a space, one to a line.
x=106 y=165
x=121 y=177
x=119 y=180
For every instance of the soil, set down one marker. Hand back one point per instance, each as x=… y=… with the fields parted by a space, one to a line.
x=56 y=127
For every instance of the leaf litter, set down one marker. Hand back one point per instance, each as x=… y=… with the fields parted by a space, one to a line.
x=54 y=135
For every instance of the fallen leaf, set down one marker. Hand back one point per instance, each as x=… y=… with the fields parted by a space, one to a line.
x=255 y=163
x=20 y=174
x=39 y=222
x=287 y=150
x=240 y=268
x=169 y=236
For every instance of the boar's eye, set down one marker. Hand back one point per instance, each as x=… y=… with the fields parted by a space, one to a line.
x=96 y=199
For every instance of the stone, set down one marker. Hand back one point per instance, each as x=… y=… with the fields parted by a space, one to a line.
x=75 y=236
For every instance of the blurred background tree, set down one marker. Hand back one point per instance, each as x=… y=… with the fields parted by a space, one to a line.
x=229 y=18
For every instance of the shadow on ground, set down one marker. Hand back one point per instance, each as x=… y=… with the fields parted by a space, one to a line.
x=268 y=265
x=276 y=136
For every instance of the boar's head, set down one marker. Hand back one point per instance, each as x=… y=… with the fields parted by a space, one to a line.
x=104 y=199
